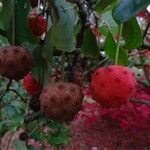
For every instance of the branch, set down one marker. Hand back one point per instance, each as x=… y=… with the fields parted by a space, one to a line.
x=140 y=101
x=146 y=30
x=7 y=88
x=33 y=116
x=12 y=90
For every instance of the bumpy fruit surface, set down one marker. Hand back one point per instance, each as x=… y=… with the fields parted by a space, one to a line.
x=30 y=84
x=37 y=24
x=61 y=101
x=15 y=62
x=113 y=86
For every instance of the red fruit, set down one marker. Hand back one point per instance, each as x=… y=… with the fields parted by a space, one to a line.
x=37 y=24
x=31 y=85
x=113 y=86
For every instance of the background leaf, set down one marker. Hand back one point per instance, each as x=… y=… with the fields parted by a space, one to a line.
x=5 y=13
x=102 y=5
x=110 y=49
x=89 y=46
x=132 y=34
x=110 y=23
x=22 y=31
x=128 y=8
x=63 y=26
x=19 y=145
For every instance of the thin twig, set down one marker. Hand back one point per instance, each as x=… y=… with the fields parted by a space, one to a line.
x=33 y=116
x=7 y=88
x=62 y=66
x=140 y=101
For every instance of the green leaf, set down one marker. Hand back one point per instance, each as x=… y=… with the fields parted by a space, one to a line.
x=55 y=125
x=18 y=104
x=110 y=49
x=43 y=61
x=109 y=21
x=132 y=34
x=30 y=147
x=48 y=55
x=9 y=111
x=22 y=31
x=38 y=135
x=58 y=139
x=19 y=145
x=63 y=26
x=129 y=8
x=17 y=119
x=5 y=14
x=89 y=46
x=102 y=5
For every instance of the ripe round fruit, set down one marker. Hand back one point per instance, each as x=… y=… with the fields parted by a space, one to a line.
x=113 y=86
x=31 y=85
x=37 y=24
x=61 y=101
x=15 y=62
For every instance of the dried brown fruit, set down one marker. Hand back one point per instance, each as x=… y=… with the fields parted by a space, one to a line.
x=61 y=101
x=15 y=62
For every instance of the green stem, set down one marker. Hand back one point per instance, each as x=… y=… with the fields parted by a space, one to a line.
x=14 y=24
x=118 y=44
x=63 y=66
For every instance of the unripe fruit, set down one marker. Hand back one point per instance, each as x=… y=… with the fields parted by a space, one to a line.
x=15 y=62
x=61 y=101
x=113 y=86
x=37 y=24
x=31 y=85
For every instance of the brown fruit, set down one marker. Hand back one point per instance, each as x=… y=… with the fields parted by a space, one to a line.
x=34 y=3
x=15 y=62
x=61 y=101
x=147 y=71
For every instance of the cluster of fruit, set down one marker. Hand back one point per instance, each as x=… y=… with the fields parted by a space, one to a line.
x=111 y=86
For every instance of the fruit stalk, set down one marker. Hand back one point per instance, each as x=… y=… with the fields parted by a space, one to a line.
x=118 y=44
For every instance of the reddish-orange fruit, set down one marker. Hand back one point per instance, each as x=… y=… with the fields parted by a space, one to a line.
x=15 y=62
x=31 y=85
x=61 y=101
x=113 y=86
x=37 y=24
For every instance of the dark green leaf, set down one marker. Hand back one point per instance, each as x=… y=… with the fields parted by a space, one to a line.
x=38 y=135
x=89 y=46
x=58 y=139
x=132 y=34
x=129 y=8
x=30 y=147
x=103 y=4
x=17 y=119
x=5 y=14
x=63 y=26
x=22 y=31
x=110 y=49
x=55 y=125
